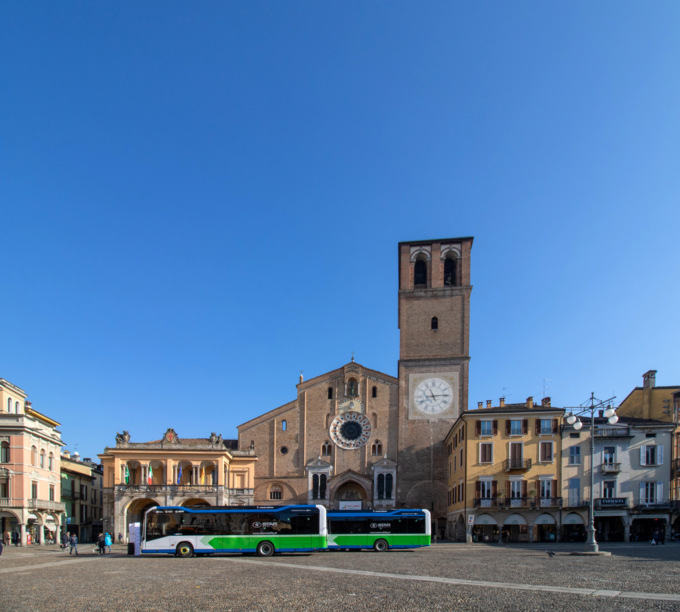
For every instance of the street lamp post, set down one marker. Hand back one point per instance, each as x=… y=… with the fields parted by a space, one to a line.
x=589 y=408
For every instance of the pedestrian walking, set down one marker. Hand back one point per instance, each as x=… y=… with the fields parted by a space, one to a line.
x=73 y=543
x=108 y=541
x=64 y=539
x=15 y=537
x=120 y=538
x=6 y=538
x=101 y=543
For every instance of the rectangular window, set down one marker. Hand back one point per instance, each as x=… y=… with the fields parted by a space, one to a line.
x=651 y=455
x=574 y=455
x=609 y=455
x=648 y=492
x=274 y=494
x=546 y=426
x=574 y=492
x=486 y=428
x=485 y=489
x=515 y=428
x=546 y=452
x=609 y=489
x=34 y=490
x=546 y=489
x=51 y=492
x=486 y=452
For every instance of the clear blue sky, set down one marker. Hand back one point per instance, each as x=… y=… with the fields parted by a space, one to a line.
x=199 y=200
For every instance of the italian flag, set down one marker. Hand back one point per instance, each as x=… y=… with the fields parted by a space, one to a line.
x=127 y=475
x=150 y=478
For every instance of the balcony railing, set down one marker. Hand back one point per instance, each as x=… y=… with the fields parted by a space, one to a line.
x=44 y=504
x=164 y=488
x=516 y=464
x=653 y=506
x=485 y=502
x=611 y=468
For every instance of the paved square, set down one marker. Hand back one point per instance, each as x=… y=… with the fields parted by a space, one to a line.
x=441 y=577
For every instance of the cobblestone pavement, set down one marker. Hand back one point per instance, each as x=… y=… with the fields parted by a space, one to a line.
x=441 y=577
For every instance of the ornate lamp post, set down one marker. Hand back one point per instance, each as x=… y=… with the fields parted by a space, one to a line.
x=573 y=418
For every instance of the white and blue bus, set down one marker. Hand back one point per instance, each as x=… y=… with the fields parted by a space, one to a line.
x=264 y=530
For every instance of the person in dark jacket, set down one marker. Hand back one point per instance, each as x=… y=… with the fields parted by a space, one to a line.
x=101 y=542
x=15 y=537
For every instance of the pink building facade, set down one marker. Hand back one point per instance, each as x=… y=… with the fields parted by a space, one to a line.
x=30 y=481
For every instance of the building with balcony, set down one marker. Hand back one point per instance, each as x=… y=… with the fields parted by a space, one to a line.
x=504 y=472
x=30 y=488
x=631 y=473
x=173 y=472
x=663 y=404
x=81 y=492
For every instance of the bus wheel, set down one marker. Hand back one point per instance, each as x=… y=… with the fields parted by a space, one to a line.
x=380 y=546
x=184 y=549
x=265 y=549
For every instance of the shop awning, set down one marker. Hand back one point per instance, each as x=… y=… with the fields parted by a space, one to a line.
x=573 y=519
x=544 y=519
x=515 y=519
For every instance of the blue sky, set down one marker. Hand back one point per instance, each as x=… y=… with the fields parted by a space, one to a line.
x=200 y=200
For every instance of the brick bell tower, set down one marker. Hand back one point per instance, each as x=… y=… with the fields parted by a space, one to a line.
x=434 y=355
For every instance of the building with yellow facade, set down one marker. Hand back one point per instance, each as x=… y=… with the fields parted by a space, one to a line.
x=504 y=473
x=173 y=472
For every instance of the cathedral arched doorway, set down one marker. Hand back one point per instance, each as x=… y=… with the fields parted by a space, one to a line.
x=350 y=494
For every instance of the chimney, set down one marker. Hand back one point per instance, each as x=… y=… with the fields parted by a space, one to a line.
x=649 y=379
x=488 y=403
x=545 y=402
x=530 y=402
x=479 y=405
x=501 y=402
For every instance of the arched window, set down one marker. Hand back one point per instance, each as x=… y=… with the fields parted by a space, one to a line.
x=319 y=486
x=284 y=425
x=51 y=462
x=330 y=392
x=352 y=388
x=275 y=492
x=9 y=404
x=434 y=324
x=326 y=449
x=34 y=455
x=450 y=265
x=16 y=407
x=376 y=448
x=388 y=486
x=381 y=486
x=322 y=486
x=4 y=452
x=42 y=458
x=315 y=486
x=420 y=273
x=374 y=391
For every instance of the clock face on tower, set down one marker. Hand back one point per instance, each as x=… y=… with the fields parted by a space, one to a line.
x=433 y=396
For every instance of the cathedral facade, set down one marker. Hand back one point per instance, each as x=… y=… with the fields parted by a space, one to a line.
x=356 y=438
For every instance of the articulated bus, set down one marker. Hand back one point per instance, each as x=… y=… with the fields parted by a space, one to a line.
x=380 y=530
x=264 y=530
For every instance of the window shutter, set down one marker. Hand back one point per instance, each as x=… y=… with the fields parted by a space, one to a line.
x=659 y=492
x=478 y=428
x=555 y=426
x=507 y=427
x=659 y=454
x=478 y=489
x=538 y=426
x=494 y=488
x=643 y=455
x=524 y=488
x=525 y=426
x=642 y=493
x=554 y=488
x=507 y=488
x=495 y=427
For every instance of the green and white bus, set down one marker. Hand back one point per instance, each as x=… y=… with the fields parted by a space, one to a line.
x=380 y=530
x=264 y=530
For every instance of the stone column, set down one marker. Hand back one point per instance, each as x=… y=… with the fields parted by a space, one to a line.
x=22 y=534
x=41 y=532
